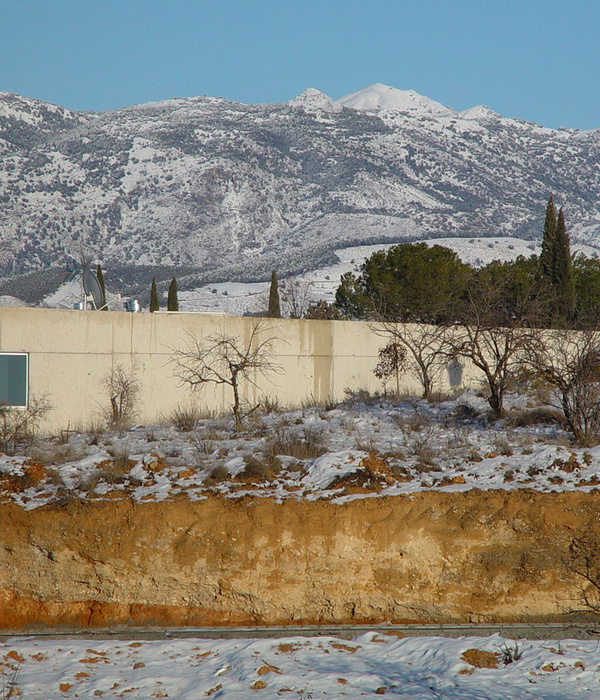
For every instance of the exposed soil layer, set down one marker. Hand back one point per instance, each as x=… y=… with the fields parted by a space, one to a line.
x=477 y=556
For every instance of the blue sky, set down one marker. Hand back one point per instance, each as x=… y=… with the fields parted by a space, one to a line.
x=530 y=59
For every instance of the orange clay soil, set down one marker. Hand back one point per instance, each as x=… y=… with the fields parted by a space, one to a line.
x=477 y=556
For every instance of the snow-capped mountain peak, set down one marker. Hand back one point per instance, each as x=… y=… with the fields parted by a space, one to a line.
x=478 y=112
x=381 y=97
x=315 y=100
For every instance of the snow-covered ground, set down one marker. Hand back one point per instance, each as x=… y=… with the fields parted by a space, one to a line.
x=362 y=448
x=371 y=665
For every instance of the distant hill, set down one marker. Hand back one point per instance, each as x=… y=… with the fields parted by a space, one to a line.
x=229 y=191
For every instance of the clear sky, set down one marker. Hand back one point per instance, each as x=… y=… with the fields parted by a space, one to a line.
x=532 y=59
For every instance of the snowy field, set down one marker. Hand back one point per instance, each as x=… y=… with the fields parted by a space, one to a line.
x=371 y=665
x=364 y=447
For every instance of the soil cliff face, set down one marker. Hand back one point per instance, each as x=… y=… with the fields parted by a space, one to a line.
x=430 y=557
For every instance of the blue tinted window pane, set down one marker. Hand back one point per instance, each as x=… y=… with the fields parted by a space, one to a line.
x=13 y=380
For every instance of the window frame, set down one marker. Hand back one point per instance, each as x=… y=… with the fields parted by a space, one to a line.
x=25 y=406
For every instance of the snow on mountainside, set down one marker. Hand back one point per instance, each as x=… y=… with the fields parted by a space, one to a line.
x=222 y=191
x=386 y=98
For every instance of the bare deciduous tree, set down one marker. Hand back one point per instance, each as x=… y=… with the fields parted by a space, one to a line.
x=295 y=296
x=122 y=389
x=226 y=359
x=583 y=560
x=496 y=334
x=569 y=362
x=426 y=348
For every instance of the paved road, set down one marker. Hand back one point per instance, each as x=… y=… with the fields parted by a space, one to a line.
x=513 y=631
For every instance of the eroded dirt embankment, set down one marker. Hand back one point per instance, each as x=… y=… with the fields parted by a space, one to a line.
x=430 y=557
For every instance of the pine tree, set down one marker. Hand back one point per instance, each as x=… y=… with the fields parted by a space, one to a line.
x=172 y=301
x=100 y=277
x=154 y=305
x=274 y=308
x=562 y=269
x=548 y=241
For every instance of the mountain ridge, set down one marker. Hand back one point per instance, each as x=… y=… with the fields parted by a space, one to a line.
x=232 y=190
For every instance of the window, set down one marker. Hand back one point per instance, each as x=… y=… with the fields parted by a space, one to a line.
x=14 y=380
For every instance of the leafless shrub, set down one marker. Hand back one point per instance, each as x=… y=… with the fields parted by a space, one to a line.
x=365 y=444
x=307 y=443
x=256 y=469
x=356 y=396
x=185 y=418
x=535 y=416
x=502 y=446
x=87 y=482
x=417 y=436
x=510 y=654
x=459 y=438
x=117 y=471
x=465 y=412
x=122 y=389
x=18 y=426
x=57 y=454
x=270 y=404
x=217 y=475
x=94 y=433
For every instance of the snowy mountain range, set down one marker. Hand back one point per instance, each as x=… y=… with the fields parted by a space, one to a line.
x=228 y=191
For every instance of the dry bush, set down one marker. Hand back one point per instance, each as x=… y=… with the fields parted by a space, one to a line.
x=18 y=426
x=94 y=433
x=270 y=404
x=216 y=475
x=355 y=396
x=307 y=443
x=501 y=445
x=365 y=444
x=117 y=470
x=122 y=389
x=56 y=454
x=542 y=415
x=258 y=470
x=465 y=412
x=185 y=418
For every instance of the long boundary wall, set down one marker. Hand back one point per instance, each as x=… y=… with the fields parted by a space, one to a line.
x=71 y=351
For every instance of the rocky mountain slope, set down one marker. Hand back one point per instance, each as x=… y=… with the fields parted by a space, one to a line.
x=230 y=190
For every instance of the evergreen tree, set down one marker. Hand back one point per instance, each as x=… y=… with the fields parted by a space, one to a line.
x=562 y=270
x=154 y=305
x=274 y=308
x=548 y=241
x=172 y=301
x=100 y=277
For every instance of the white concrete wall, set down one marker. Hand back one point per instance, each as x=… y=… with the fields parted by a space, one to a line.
x=70 y=352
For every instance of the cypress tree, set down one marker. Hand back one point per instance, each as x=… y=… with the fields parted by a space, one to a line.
x=172 y=301
x=548 y=242
x=100 y=278
x=274 y=308
x=562 y=269
x=154 y=305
